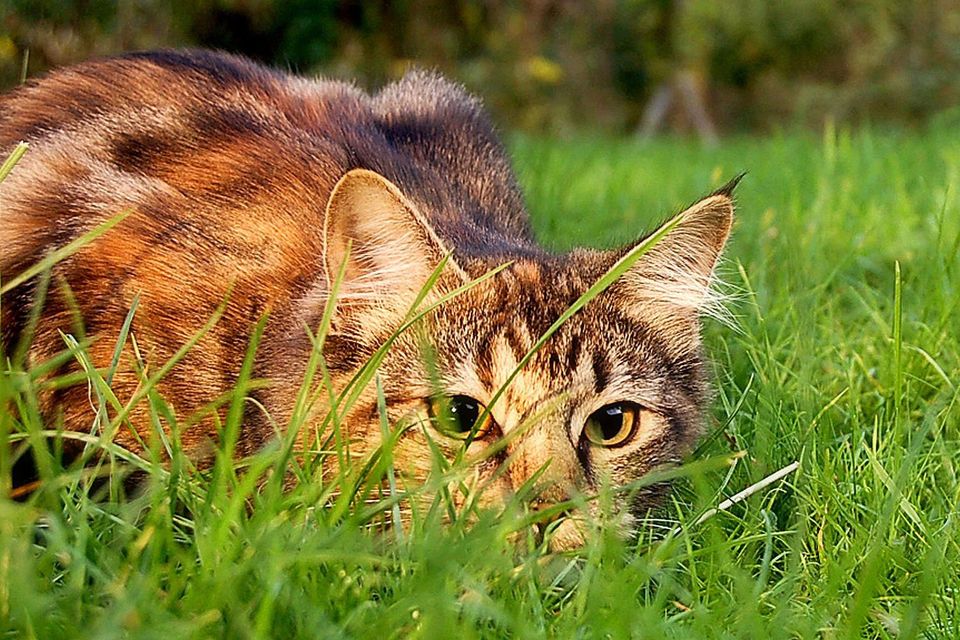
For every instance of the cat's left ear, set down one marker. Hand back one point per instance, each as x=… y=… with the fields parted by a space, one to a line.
x=676 y=274
x=385 y=247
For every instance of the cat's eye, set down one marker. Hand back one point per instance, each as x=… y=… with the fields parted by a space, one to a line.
x=457 y=415
x=614 y=424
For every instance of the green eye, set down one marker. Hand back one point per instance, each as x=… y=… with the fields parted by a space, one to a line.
x=457 y=415
x=614 y=424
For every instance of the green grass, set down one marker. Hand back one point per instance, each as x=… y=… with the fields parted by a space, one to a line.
x=844 y=264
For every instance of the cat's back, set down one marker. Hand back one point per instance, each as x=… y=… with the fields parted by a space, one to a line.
x=224 y=134
x=197 y=147
x=110 y=93
x=188 y=118
x=220 y=166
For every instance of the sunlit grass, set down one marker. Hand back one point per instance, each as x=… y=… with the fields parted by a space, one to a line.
x=846 y=360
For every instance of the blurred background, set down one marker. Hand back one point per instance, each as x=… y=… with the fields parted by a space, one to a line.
x=699 y=67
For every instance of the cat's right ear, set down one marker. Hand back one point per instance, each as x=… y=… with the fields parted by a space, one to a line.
x=381 y=242
x=673 y=280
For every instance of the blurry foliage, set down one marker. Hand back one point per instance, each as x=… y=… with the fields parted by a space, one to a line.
x=554 y=65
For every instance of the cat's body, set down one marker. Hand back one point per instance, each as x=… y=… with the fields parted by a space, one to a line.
x=254 y=186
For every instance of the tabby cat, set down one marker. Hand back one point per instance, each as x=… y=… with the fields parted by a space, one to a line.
x=253 y=186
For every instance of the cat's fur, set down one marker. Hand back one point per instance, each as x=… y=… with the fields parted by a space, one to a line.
x=249 y=184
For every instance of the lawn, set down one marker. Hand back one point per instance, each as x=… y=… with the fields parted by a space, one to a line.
x=843 y=358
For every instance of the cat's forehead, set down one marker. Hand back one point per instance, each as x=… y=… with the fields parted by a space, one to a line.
x=495 y=326
x=548 y=284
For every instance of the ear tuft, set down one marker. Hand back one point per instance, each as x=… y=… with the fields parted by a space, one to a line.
x=728 y=188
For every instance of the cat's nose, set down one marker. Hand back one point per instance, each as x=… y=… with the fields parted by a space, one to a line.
x=548 y=512
x=541 y=504
x=560 y=524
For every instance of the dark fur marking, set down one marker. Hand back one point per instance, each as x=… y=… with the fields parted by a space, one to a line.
x=221 y=69
x=601 y=370
x=138 y=153
x=224 y=124
x=583 y=456
x=574 y=351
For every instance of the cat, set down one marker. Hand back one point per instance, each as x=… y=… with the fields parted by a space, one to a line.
x=260 y=190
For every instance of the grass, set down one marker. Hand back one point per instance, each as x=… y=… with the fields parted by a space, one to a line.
x=846 y=361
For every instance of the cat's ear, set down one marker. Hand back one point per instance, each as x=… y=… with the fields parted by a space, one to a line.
x=676 y=274
x=389 y=248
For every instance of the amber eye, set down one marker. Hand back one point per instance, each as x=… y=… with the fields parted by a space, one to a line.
x=457 y=415
x=613 y=425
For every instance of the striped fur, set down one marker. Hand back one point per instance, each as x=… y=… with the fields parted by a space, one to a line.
x=256 y=187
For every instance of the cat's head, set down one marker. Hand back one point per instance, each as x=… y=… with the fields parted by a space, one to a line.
x=618 y=390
